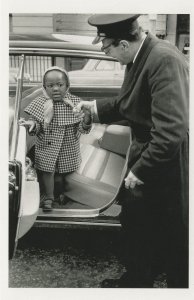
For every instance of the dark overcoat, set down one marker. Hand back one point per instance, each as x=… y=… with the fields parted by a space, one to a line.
x=154 y=98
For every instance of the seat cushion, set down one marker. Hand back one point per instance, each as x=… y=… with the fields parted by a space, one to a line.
x=95 y=135
x=116 y=138
x=98 y=178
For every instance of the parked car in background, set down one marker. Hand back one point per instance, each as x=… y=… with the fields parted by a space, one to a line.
x=92 y=198
x=99 y=72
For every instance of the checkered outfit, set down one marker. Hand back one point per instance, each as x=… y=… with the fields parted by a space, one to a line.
x=57 y=147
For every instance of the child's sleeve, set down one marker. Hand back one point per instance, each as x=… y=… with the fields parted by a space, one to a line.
x=84 y=128
x=36 y=128
x=35 y=110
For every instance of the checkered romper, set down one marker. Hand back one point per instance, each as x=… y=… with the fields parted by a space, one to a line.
x=57 y=148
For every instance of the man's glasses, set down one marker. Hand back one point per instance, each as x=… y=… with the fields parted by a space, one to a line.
x=106 y=47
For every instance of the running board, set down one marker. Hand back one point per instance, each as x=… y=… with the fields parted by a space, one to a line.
x=112 y=211
x=75 y=224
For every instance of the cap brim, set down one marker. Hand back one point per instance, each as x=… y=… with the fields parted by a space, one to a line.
x=97 y=39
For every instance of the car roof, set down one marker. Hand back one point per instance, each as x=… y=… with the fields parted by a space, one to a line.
x=53 y=40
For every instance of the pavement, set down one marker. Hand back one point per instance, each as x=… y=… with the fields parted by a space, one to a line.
x=65 y=259
x=58 y=258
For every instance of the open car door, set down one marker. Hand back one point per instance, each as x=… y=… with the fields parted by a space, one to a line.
x=23 y=189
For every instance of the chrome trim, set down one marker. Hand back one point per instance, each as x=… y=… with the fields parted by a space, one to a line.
x=79 y=223
x=80 y=86
x=77 y=213
x=47 y=51
x=14 y=140
x=109 y=87
x=73 y=213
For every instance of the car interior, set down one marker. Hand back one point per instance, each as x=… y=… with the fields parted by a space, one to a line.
x=95 y=184
x=93 y=188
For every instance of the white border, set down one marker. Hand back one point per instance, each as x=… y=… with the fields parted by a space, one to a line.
x=81 y=6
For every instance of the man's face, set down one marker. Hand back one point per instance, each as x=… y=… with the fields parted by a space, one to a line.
x=55 y=85
x=118 y=52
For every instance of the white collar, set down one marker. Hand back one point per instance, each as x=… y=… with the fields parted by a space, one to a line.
x=139 y=48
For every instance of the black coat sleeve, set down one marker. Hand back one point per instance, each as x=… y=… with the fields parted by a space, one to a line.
x=108 y=111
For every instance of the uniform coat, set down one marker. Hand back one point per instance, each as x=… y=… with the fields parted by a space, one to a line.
x=154 y=98
x=57 y=147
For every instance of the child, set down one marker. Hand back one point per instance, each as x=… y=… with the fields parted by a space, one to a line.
x=57 y=130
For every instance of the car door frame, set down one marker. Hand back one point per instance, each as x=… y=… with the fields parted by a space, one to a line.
x=80 y=214
x=22 y=211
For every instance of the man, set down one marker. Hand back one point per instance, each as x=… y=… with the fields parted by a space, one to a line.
x=154 y=99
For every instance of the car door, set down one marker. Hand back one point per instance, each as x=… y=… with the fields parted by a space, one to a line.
x=23 y=193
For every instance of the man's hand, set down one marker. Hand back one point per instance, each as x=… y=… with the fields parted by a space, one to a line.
x=87 y=105
x=131 y=181
x=30 y=124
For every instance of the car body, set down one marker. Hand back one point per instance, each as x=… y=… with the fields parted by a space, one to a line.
x=92 y=198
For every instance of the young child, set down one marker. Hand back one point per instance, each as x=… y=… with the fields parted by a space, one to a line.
x=57 y=130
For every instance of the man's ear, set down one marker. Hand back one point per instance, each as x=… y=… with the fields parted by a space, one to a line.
x=124 y=44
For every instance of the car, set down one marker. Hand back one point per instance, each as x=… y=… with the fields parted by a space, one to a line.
x=92 y=199
x=86 y=64
x=99 y=72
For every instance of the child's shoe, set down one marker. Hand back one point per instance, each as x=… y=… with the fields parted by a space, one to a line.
x=47 y=205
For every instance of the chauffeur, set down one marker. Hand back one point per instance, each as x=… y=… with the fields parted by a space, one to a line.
x=154 y=99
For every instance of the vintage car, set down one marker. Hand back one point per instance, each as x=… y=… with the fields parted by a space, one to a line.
x=91 y=195
x=101 y=72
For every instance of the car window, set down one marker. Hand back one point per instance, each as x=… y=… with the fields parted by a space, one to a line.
x=105 y=65
x=91 y=64
x=83 y=71
x=71 y=63
x=35 y=66
x=122 y=67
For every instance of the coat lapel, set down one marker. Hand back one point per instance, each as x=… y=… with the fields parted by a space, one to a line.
x=133 y=71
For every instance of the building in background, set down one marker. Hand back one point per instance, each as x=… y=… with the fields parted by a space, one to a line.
x=175 y=28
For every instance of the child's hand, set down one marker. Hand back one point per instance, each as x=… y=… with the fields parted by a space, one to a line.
x=84 y=104
x=30 y=124
x=84 y=107
x=78 y=113
x=87 y=117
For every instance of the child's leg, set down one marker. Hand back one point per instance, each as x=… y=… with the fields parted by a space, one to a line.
x=46 y=180
x=48 y=184
x=62 y=186
x=59 y=185
x=65 y=183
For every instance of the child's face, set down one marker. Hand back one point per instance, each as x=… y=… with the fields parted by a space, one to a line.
x=55 y=85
